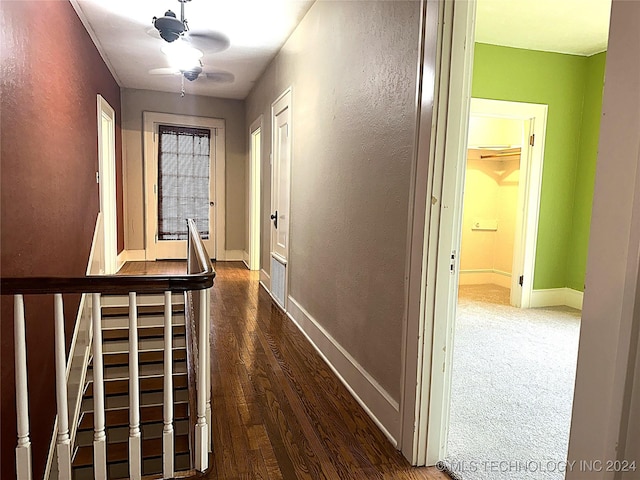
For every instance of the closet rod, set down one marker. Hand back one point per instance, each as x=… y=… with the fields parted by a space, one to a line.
x=499 y=155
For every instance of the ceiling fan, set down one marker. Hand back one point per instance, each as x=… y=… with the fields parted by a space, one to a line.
x=186 y=47
x=170 y=28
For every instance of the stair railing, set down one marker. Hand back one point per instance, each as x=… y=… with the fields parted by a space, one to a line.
x=199 y=278
x=197 y=313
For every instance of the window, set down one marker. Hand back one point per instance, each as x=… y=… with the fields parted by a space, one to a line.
x=183 y=181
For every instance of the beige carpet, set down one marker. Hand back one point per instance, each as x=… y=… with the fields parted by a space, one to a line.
x=512 y=387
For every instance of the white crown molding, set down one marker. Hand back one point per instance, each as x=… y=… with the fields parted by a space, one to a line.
x=94 y=38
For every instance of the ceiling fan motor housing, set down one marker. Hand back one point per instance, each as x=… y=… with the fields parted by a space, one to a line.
x=169 y=26
x=192 y=74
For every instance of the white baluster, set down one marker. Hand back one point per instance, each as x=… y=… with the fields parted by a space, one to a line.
x=135 y=439
x=63 y=447
x=99 y=435
x=209 y=424
x=167 y=432
x=23 y=450
x=202 y=454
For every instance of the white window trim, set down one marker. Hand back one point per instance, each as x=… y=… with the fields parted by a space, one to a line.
x=150 y=122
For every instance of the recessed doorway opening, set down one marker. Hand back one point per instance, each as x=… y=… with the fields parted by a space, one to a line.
x=255 y=192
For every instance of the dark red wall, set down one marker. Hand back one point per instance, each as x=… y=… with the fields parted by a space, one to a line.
x=50 y=75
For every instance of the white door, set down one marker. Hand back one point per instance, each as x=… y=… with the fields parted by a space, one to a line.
x=107 y=181
x=181 y=159
x=519 y=245
x=280 y=195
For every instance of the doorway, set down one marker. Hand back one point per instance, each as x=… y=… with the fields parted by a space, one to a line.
x=434 y=288
x=512 y=368
x=255 y=192
x=107 y=181
x=504 y=161
x=490 y=203
x=184 y=178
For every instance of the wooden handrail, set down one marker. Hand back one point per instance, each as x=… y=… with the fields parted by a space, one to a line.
x=120 y=284
x=107 y=284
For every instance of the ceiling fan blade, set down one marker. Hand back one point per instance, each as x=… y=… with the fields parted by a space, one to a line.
x=153 y=32
x=164 y=71
x=207 y=40
x=218 y=76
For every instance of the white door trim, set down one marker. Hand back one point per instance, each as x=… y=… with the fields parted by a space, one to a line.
x=150 y=122
x=255 y=193
x=107 y=182
x=531 y=165
x=426 y=389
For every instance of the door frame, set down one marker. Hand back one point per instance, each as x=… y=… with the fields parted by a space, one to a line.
x=433 y=256
x=255 y=193
x=107 y=184
x=150 y=122
x=444 y=101
x=528 y=210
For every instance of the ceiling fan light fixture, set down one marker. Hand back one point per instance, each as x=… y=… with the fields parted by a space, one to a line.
x=192 y=74
x=182 y=56
x=169 y=27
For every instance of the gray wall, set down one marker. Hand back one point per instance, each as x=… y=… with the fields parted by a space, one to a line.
x=134 y=102
x=352 y=68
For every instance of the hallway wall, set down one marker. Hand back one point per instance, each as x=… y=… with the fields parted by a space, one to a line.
x=134 y=103
x=51 y=73
x=352 y=69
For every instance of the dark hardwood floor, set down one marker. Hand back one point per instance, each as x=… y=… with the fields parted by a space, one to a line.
x=279 y=411
x=163 y=267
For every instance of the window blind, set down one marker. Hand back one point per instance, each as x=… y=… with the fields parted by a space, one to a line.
x=183 y=181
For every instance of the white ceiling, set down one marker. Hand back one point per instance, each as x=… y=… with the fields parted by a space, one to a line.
x=579 y=27
x=256 y=30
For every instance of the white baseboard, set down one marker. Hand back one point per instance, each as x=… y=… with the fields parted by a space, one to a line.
x=265 y=280
x=121 y=260
x=130 y=256
x=553 y=297
x=484 y=277
x=549 y=297
x=574 y=298
x=375 y=400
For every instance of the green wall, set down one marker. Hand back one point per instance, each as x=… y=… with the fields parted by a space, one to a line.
x=586 y=171
x=565 y=83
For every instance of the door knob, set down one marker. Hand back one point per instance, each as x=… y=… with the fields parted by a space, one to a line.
x=274 y=217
